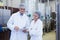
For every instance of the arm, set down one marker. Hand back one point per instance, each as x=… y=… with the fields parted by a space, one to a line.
x=10 y=23
x=39 y=30
x=27 y=26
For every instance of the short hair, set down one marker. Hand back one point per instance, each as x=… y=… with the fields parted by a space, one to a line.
x=38 y=13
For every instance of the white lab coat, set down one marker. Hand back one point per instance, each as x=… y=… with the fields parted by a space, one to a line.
x=22 y=22
x=36 y=30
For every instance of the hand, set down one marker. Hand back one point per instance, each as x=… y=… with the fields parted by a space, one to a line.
x=16 y=28
x=24 y=31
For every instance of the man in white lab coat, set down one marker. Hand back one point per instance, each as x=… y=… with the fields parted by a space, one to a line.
x=18 y=24
x=36 y=27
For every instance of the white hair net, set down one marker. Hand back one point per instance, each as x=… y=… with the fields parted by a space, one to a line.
x=38 y=13
x=22 y=5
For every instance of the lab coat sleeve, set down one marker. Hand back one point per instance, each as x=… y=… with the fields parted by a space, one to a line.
x=30 y=26
x=27 y=24
x=39 y=30
x=10 y=23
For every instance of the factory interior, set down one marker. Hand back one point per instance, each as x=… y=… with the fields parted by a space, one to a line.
x=48 y=9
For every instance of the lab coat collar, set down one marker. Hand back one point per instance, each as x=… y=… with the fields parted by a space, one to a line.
x=21 y=14
x=36 y=21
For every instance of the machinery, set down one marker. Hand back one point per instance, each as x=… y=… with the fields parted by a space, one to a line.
x=45 y=10
x=4 y=17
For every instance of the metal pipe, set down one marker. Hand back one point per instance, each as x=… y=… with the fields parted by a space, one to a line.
x=12 y=7
x=57 y=27
x=40 y=1
x=48 y=2
x=7 y=4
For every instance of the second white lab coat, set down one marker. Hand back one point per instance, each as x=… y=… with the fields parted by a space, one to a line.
x=22 y=22
x=36 y=30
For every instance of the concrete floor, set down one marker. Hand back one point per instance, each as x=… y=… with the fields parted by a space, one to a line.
x=50 y=36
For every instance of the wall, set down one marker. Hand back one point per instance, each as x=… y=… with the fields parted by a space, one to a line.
x=12 y=3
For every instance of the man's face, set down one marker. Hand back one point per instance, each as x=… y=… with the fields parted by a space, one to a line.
x=22 y=10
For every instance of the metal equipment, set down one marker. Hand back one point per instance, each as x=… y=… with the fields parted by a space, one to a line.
x=57 y=19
